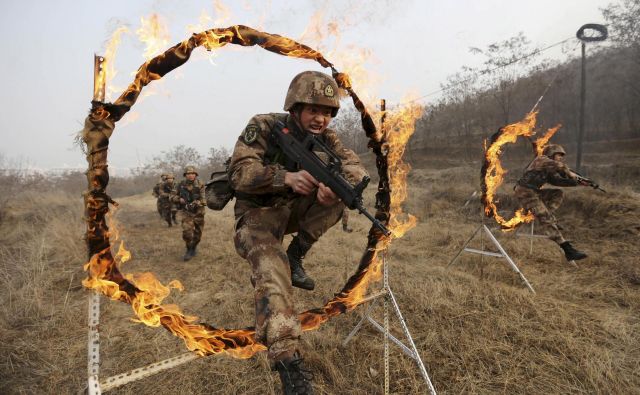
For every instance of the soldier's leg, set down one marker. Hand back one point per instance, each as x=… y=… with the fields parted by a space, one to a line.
x=174 y=211
x=313 y=219
x=530 y=200
x=310 y=219
x=258 y=239
x=198 y=226
x=166 y=213
x=187 y=232
x=159 y=207
x=345 y=221
x=552 y=198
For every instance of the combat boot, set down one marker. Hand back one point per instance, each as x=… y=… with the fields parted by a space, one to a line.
x=296 y=380
x=571 y=253
x=296 y=251
x=187 y=255
x=193 y=251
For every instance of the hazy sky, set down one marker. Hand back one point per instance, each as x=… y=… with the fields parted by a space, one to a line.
x=47 y=63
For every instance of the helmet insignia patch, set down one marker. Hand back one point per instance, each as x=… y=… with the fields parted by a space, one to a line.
x=250 y=134
x=328 y=91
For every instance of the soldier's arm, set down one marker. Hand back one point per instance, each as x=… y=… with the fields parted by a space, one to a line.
x=559 y=174
x=175 y=196
x=352 y=168
x=203 y=201
x=247 y=171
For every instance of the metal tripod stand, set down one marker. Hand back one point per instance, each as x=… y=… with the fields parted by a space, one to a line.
x=483 y=229
x=387 y=298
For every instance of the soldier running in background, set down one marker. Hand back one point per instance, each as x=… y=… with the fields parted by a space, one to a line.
x=156 y=193
x=165 y=194
x=274 y=198
x=345 y=221
x=190 y=196
x=548 y=168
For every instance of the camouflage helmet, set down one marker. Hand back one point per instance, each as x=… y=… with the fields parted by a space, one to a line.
x=553 y=149
x=190 y=169
x=313 y=87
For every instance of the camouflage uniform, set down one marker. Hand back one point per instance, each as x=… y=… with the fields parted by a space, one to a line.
x=166 y=193
x=345 y=221
x=156 y=194
x=192 y=211
x=543 y=202
x=266 y=209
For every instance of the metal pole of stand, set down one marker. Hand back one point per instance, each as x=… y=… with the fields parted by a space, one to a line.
x=93 y=345
x=385 y=280
x=531 y=241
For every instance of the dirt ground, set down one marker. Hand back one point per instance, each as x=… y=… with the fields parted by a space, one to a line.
x=476 y=326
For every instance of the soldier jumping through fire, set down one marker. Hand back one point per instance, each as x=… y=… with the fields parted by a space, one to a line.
x=166 y=192
x=156 y=193
x=549 y=168
x=274 y=198
x=190 y=196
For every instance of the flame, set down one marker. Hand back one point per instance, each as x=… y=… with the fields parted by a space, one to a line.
x=325 y=34
x=110 y=57
x=400 y=126
x=146 y=302
x=153 y=32
x=542 y=142
x=493 y=172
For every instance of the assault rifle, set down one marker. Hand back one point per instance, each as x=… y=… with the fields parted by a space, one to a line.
x=588 y=181
x=302 y=153
x=189 y=205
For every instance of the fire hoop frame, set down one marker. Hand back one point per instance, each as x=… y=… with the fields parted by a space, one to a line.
x=99 y=126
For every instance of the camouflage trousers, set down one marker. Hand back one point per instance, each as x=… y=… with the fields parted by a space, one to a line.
x=258 y=239
x=167 y=210
x=543 y=203
x=345 y=218
x=159 y=207
x=192 y=226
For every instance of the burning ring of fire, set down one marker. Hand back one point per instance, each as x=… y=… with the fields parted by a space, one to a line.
x=143 y=291
x=493 y=172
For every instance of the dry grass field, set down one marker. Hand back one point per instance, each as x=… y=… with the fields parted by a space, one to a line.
x=478 y=329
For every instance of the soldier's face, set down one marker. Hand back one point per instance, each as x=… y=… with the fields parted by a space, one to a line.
x=315 y=118
x=170 y=180
x=191 y=176
x=558 y=157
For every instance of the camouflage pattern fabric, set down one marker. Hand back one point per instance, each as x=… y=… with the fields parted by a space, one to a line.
x=192 y=218
x=345 y=218
x=167 y=208
x=156 y=194
x=543 y=202
x=266 y=209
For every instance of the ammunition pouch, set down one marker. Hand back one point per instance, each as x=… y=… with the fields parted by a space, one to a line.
x=218 y=191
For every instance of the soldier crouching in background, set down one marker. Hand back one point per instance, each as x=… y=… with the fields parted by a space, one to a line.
x=190 y=196
x=165 y=194
x=273 y=199
x=548 y=168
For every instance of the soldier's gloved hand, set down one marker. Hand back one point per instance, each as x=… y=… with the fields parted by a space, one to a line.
x=300 y=181
x=326 y=196
x=182 y=201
